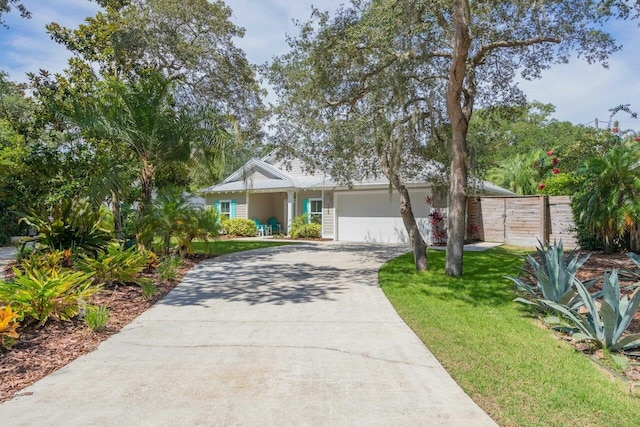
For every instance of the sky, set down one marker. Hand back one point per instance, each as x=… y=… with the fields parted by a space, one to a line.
x=580 y=92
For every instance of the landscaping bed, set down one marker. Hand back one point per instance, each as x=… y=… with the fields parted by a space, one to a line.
x=42 y=351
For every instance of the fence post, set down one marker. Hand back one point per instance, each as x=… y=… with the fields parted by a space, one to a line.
x=544 y=219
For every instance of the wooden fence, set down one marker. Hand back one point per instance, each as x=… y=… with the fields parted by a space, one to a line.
x=522 y=221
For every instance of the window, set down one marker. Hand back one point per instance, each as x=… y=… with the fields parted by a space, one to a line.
x=225 y=209
x=315 y=211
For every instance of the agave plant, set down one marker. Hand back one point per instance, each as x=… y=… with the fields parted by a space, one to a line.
x=555 y=277
x=604 y=327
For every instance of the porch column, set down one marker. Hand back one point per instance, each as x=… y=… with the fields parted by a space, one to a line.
x=289 y=209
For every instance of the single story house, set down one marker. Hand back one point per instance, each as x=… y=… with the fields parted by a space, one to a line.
x=366 y=212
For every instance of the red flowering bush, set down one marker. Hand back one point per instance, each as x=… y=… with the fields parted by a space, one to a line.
x=545 y=167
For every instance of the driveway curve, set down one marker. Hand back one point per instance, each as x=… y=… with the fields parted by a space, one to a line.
x=293 y=335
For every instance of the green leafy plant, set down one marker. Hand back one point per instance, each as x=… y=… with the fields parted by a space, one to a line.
x=149 y=288
x=555 y=277
x=8 y=325
x=116 y=265
x=300 y=228
x=169 y=268
x=71 y=224
x=606 y=325
x=240 y=227
x=40 y=295
x=96 y=317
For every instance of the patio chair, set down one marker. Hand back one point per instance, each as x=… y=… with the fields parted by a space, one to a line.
x=275 y=225
x=263 y=229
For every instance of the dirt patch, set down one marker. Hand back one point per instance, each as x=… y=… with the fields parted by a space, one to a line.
x=42 y=351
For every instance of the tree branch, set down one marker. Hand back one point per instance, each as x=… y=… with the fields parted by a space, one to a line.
x=485 y=50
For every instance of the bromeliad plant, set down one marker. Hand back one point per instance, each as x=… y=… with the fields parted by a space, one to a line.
x=555 y=277
x=40 y=295
x=71 y=224
x=116 y=265
x=8 y=325
x=604 y=327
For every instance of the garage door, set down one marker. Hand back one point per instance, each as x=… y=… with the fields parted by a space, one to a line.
x=375 y=217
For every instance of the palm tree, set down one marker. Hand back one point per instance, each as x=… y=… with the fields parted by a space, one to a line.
x=517 y=174
x=609 y=205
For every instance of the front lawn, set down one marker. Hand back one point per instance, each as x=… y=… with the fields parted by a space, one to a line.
x=517 y=371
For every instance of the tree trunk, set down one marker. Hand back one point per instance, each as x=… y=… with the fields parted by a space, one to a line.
x=459 y=126
x=117 y=216
x=417 y=242
x=146 y=187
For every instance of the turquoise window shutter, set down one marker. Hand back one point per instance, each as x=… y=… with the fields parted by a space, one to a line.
x=217 y=207
x=306 y=207
x=232 y=214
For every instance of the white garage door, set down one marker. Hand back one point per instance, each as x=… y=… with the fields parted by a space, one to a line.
x=375 y=216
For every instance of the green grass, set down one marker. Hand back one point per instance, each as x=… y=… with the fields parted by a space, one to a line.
x=221 y=247
x=517 y=371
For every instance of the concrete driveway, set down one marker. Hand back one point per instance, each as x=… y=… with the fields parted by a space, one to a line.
x=294 y=335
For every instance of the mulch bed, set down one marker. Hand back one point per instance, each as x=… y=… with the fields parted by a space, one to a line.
x=596 y=265
x=41 y=351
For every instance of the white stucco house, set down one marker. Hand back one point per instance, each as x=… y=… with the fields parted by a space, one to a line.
x=366 y=212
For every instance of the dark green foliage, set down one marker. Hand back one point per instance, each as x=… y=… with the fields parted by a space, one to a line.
x=608 y=205
x=71 y=224
x=300 y=228
x=240 y=227
x=177 y=223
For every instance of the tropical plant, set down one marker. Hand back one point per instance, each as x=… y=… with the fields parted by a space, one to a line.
x=71 y=224
x=148 y=288
x=239 y=227
x=43 y=261
x=169 y=268
x=555 y=277
x=605 y=326
x=8 y=325
x=40 y=295
x=203 y=224
x=175 y=221
x=609 y=205
x=96 y=317
x=116 y=265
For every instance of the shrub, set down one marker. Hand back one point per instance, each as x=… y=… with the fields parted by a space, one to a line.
x=116 y=265
x=240 y=227
x=40 y=295
x=301 y=229
x=169 y=268
x=4 y=239
x=96 y=317
x=8 y=325
x=71 y=224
